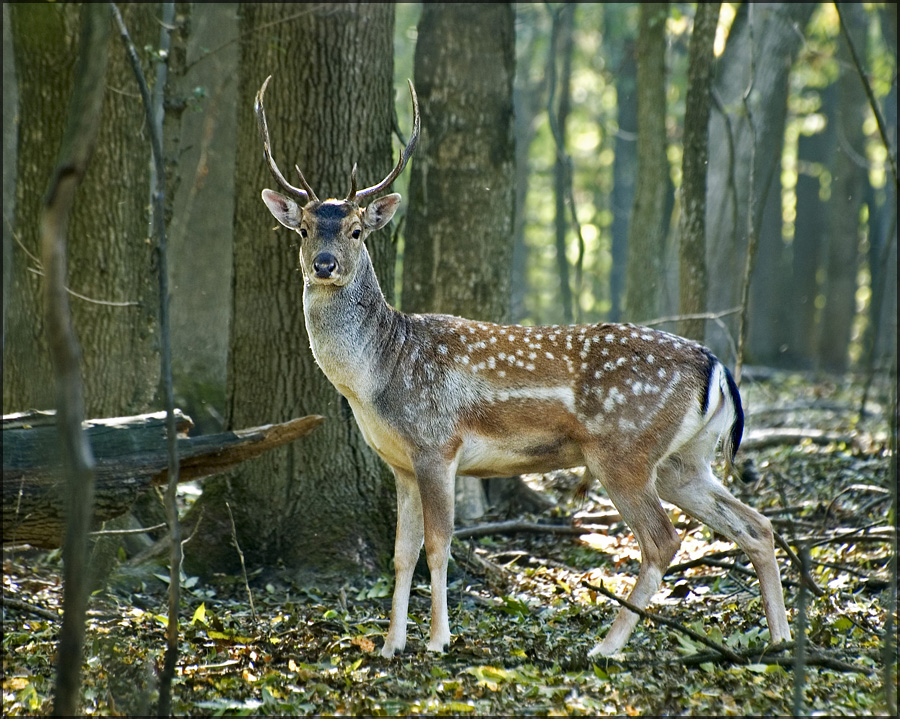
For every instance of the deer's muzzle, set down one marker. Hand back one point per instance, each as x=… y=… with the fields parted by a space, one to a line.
x=324 y=265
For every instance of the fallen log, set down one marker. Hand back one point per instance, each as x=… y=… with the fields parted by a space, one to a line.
x=131 y=457
x=775 y=436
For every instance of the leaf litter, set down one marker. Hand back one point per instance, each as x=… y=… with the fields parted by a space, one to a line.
x=524 y=610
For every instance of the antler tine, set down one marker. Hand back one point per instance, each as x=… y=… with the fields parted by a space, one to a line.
x=306 y=194
x=404 y=156
x=351 y=196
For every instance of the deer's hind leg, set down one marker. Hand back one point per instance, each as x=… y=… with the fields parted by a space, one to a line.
x=686 y=480
x=629 y=482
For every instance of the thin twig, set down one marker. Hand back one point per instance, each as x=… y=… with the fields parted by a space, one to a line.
x=714 y=316
x=139 y=530
x=514 y=525
x=281 y=21
x=38 y=270
x=104 y=303
x=806 y=579
x=752 y=239
x=153 y=108
x=644 y=614
x=873 y=103
x=237 y=546
x=693 y=316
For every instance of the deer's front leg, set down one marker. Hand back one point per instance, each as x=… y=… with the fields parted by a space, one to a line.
x=436 y=481
x=407 y=546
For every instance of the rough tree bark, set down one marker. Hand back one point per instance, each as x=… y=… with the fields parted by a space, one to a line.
x=110 y=259
x=459 y=228
x=647 y=232
x=329 y=502
x=692 y=257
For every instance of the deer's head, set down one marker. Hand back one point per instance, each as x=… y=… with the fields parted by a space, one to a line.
x=332 y=232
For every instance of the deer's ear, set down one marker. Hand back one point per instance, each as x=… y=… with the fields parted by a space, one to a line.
x=380 y=212
x=285 y=210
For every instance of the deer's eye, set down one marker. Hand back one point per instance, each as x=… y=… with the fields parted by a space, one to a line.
x=355 y=234
x=303 y=232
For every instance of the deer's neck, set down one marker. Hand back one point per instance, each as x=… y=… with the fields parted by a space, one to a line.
x=351 y=328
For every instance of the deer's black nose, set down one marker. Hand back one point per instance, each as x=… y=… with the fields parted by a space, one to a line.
x=324 y=265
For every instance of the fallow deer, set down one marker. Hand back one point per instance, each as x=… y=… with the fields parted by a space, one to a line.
x=437 y=395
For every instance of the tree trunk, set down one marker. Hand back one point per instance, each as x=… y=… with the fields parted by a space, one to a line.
x=617 y=30
x=562 y=48
x=765 y=47
x=769 y=313
x=848 y=189
x=883 y=253
x=110 y=257
x=200 y=234
x=529 y=102
x=647 y=233
x=10 y=147
x=692 y=259
x=459 y=230
x=814 y=158
x=329 y=502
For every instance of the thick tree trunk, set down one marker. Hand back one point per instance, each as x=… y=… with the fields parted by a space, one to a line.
x=758 y=54
x=617 y=29
x=814 y=157
x=200 y=256
x=848 y=190
x=328 y=502
x=692 y=235
x=647 y=232
x=110 y=258
x=459 y=228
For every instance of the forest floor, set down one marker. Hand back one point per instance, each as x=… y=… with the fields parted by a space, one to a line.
x=525 y=608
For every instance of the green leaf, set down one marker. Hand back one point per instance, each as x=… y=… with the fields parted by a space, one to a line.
x=843 y=623
x=199 y=614
x=515 y=607
x=459 y=707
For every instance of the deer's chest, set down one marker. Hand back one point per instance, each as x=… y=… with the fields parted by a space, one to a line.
x=379 y=434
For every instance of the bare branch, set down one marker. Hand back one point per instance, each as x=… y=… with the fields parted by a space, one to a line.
x=78 y=463
x=154 y=112
x=873 y=103
x=644 y=614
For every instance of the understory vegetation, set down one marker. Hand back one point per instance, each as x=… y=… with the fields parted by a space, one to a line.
x=526 y=606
